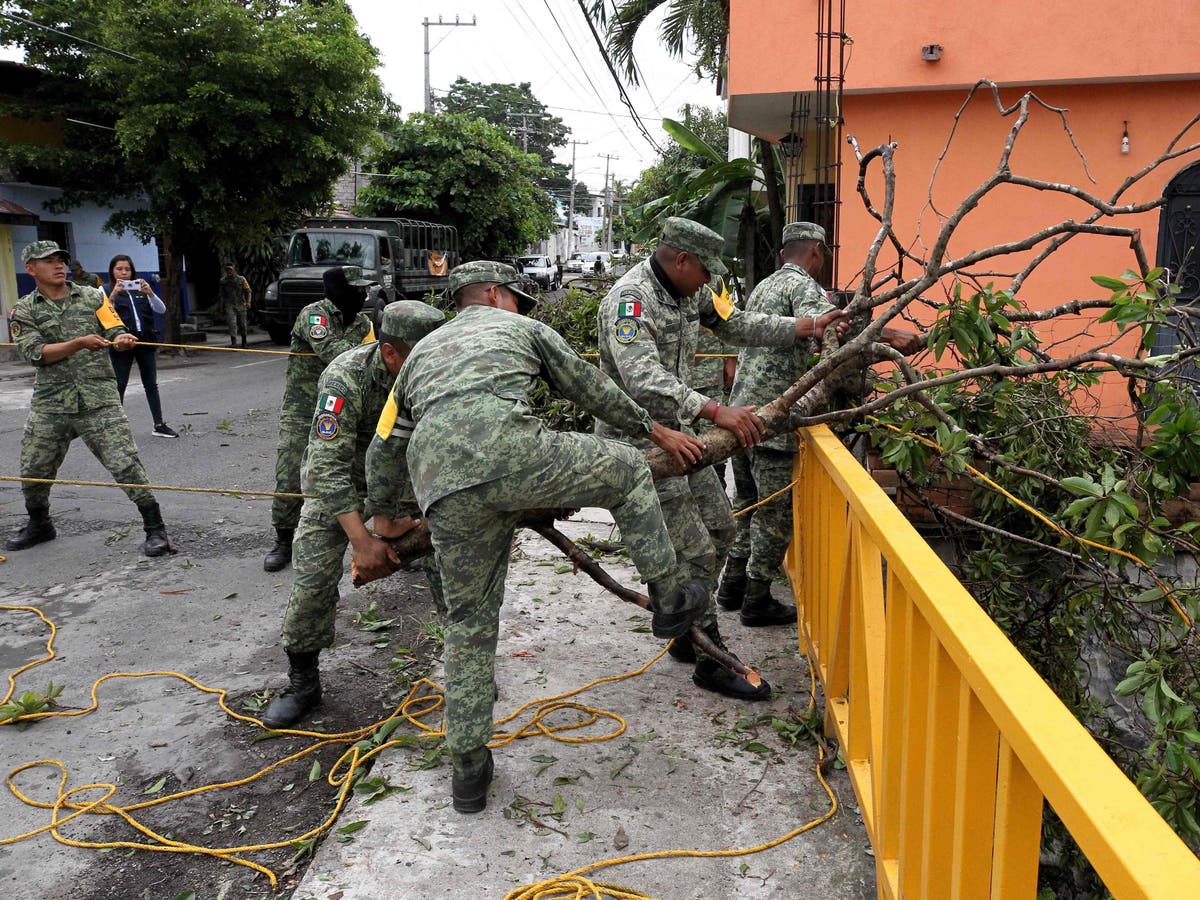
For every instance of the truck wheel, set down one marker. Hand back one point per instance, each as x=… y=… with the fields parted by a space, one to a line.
x=280 y=334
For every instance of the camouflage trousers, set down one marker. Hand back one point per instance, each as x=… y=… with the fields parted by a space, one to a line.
x=235 y=319
x=106 y=433
x=318 y=557
x=293 y=438
x=763 y=535
x=472 y=532
x=702 y=528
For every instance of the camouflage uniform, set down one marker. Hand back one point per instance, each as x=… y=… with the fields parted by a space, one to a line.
x=648 y=339
x=763 y=375
x=318 y=330
x=459 y=443
x=352 y=392
x=234 y=291
x=74 y=397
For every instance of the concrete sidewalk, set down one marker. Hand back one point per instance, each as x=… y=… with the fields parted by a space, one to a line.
x=691 y=771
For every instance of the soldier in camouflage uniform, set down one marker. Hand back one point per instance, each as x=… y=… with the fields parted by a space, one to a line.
x=351 y=394
x=59 y=328
x=763 y=374
x=325 y=328
x=648 y=326
x=458 y=443
x=234 y=293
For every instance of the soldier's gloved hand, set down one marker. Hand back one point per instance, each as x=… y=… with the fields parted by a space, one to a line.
x=742 y=421
x=374 y=558
x=685 y=449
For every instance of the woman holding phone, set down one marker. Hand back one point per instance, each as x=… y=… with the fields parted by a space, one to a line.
x=136 y=304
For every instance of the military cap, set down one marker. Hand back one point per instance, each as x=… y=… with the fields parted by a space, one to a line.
x=75 y=264
x=354 y=276
x=486 y=271
x=43 y=250
x=803 y=231
x=410 y=320
x=692 y=237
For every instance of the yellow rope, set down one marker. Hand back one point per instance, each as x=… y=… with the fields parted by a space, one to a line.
x=201 y=347
x=424 y=697
x=158 y=487
x=1046 y=520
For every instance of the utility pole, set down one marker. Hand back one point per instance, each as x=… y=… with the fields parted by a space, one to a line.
x=571 y=202
x=427 y=25
x=525 y=129
x=608 y=158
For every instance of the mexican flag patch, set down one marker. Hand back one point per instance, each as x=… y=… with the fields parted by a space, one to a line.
x=629 y=309
x=318 y=320
x=331 y=403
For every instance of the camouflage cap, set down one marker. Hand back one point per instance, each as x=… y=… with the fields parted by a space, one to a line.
x=410 y=320
x=692 y=237
x=486 y=271
x=75 y=264
x=43 y=250
x=354 y=276
x=803 y=231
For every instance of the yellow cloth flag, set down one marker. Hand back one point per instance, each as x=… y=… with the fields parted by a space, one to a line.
x=722 y=302
x=107 y=315
x=370 y=336
x=387 y=419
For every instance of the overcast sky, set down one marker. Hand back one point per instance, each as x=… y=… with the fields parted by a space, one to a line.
x=519 y=40
x=544 y=42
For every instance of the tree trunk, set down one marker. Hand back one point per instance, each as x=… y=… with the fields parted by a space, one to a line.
x=766 y=159
x=172 y=285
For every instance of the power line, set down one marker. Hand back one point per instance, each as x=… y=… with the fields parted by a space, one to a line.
x=617 y=80
x=68 y=36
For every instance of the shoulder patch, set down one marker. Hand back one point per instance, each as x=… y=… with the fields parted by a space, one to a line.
x=327 y=426
x=625 y=330
x=331 y=403
x=14 y=328
x=629 y=309
x=316 y=332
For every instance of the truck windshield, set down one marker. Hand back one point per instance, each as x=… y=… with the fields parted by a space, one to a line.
x=318 y=248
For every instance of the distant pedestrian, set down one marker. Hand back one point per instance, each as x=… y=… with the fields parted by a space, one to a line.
x=58 y=327
x=139 y=308
x=235 y=303
x=79 y=275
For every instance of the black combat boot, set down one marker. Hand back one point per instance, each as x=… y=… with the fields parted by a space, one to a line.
x=472 y=775
x=675 y=608
x=233 y=342
x=37 y=530
x=761 y=609
x=243 y=342
x=732 y=590
x=712 y=676
x=302 y=693
x=157 y=543
x=280 y=555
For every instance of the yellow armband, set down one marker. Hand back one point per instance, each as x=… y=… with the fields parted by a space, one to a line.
x=387 y=419
x=106 y=315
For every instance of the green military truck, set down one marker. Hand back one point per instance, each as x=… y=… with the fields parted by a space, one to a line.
x=405 y=258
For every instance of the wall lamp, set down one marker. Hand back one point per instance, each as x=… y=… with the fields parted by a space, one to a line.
x=792 y=145
x=1125 y=139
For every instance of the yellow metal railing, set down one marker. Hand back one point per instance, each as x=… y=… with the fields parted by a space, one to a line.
x=951 y=739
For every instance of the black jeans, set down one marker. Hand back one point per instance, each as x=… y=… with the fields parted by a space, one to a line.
x=147 y=363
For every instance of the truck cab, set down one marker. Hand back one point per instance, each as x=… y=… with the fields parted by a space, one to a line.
x=404 y=258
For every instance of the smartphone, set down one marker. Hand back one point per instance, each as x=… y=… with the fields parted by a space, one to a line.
x=131 y=286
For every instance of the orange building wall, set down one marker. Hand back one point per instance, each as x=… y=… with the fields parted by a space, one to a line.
x=772 y=47
x=920 y=123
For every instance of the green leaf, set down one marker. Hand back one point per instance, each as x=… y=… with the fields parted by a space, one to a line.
x=689 y=140
x=353 y=827
x=1079 y=485
x=1112 y=284
x=315 y=772
x=156 y=787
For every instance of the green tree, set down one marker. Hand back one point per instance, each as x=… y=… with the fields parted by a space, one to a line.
x=228 y=118
x=460 y=171
x=527 y=122
x=701 y=26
